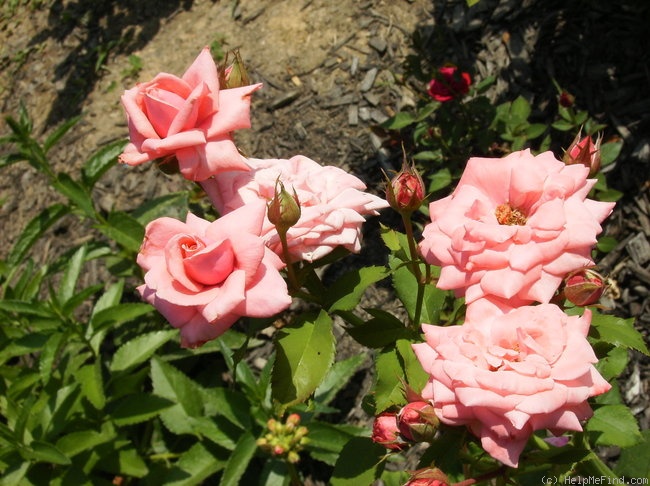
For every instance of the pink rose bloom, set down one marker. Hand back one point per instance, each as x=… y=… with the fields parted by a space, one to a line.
x=204 y=276
x=332 y=203
x=189 y=118
x=508 y=375
x=514 y=228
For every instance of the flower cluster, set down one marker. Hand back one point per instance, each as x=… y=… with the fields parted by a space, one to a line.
x=506 y=238
x=203 y=276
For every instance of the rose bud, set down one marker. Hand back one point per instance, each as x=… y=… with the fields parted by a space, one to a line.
x=428 y=477
x=284 y=208
x=566 y=99
x=583 y=150
x=584 y=287
x=235 y=75
x=405 y=192
x=418 y=422
x=386 y=433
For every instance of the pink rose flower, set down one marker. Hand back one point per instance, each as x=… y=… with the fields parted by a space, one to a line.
x=189 y=118
x=204 y=276
x=332 y=203
x=513 y=228
x=508 y=375
x=449 y=84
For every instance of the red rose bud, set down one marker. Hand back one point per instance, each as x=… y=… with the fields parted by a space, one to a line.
x=418 y=422
x=583 y=150
x=386 y=433
x=235 y=75
x=566 y=99
x=405 y=192
x=449 y=84
x=428 y=477
x=284 y=208
x=584 y=287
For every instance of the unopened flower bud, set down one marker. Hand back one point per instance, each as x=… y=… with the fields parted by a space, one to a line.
x=417 y=421
x=234 y=75
x=428 y=477
x=405 y=192
x=278 y=450
x=386 y=433
x=566 y=99
x=284 y=208
x=584 y=287
x=292 y=421
x=583 y=150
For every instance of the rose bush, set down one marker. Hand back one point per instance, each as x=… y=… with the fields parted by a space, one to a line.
x=189 y=118
x=332 y=203
x=203 y=276
x=513 y=228
x=506 y=375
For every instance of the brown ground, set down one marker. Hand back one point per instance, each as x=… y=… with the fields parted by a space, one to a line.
x=330 y=72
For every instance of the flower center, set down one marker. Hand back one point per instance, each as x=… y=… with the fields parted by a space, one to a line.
x=507 y=215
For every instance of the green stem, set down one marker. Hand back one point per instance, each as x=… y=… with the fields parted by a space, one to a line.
x=415 y=265
x=592 y=464
x=291 y=273
x=293 y=475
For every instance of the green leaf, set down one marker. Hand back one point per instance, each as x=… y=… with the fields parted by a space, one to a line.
x=471 y=3
x=613 y=364
x=360 y=462
x=140 y=349
x=399 y=121
x=84 y=440
x=327 y=440
x=414 y=374
x=48 y=355
x=275 y=473
x=100 y=162
x=34 y=230
x=606 y=243
x=141 y=407
x=389 y=389
x=239 y=459
x=520 y=109
x=39 y=451
x=617 y=331
x=304 y=355
x=71 y=275
x=562 y=125
x=124 y=229
x=346 y=293
x=169 y=205
x=338 y=377
x=76 y=193
x=439 y=180
x=614 y=425
x=382 y=330
x=27 y=308
x=609 y=152
x=171 y=383
x=194 y=466
x=631 y=463
x=119 y=314
x=60 y=131
x=535 y=130
x=231 y=404
x=92 y=384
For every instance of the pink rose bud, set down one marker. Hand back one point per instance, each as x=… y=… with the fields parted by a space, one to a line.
x=584 y=287
x=418 y=422
x=386 y=433
x=428 y=477
x=450 y=83
x=583 y=150
x=405 y=192
x=284 y=208
x=566 y=99
x=235 y=75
